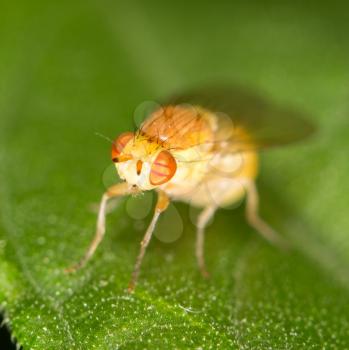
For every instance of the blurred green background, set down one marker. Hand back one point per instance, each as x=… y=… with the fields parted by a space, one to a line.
x=71 y=69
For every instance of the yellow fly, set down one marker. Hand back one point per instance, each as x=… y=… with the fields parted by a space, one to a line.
x=200 y=148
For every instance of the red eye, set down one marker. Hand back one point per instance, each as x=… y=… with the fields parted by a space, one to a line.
x=119 y=144
x=163 y=168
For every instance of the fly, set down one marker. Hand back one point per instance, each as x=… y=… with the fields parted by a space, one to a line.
x=200 y=148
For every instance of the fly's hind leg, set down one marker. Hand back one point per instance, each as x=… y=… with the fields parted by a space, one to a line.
x=117 y=190
x=202 y=222
x=256 y=221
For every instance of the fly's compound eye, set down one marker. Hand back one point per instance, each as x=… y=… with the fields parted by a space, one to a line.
x=163 y=168
x=119 y=144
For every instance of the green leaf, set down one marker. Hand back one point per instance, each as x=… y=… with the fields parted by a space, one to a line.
x=71 y=69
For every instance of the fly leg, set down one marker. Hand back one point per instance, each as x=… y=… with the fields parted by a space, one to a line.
x=203 y=219
x=117 y=190
x=161 y=206
x=256 y=221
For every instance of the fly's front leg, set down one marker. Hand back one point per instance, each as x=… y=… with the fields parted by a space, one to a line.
x=203 y=219
x=161 y=206
x=256 y=221
x=117 y=190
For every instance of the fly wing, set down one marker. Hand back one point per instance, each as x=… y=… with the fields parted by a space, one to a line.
x=246 y=120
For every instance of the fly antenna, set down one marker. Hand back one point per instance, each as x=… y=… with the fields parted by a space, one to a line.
x=104 y=137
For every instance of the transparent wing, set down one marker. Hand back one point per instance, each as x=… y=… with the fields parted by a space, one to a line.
x=247 y=120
